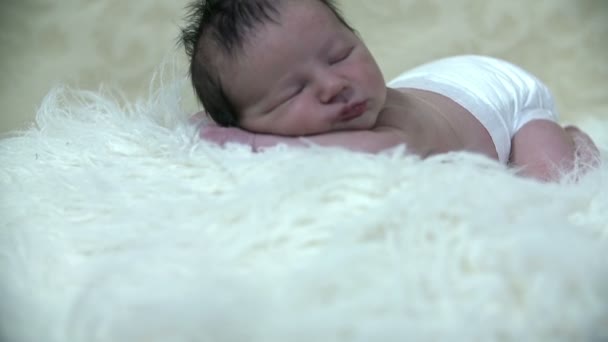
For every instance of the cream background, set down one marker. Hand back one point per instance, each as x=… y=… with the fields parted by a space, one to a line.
x=119 y=43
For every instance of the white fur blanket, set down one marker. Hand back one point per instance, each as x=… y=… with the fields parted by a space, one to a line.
x=117 y=224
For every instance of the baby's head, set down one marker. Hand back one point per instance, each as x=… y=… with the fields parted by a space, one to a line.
x=285 y=67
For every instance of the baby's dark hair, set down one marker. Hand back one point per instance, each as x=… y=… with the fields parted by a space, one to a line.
x=222 y=26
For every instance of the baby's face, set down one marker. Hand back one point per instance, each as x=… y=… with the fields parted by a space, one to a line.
x=308 y=75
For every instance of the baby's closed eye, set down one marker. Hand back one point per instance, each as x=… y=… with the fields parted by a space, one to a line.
x=297 y=89
x=341 y=55
x=290 y=94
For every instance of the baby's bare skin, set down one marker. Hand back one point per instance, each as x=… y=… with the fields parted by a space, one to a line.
x=428 y=124
x=307 y=92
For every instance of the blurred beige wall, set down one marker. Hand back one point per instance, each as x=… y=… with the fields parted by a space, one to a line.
x=119 y=43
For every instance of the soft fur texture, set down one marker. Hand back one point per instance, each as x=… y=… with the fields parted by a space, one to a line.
x=118 y=224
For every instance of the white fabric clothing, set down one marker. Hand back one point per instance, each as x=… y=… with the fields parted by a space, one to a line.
x=501 y=95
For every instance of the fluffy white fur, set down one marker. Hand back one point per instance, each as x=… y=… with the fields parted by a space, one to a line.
x=118 y=224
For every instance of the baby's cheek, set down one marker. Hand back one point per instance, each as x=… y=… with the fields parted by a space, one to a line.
x=369 y=72
x=375 y=87
x=374 y=78
x=304 y=118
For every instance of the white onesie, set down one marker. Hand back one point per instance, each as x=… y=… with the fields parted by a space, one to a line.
x=502 y=96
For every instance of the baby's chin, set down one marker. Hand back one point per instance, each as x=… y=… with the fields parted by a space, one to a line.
x=366 y=121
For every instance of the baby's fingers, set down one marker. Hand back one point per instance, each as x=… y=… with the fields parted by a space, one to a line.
x=213 y=134
x=223 y=135
x=198 y=117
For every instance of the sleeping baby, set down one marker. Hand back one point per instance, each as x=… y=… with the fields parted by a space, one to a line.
x=294 y=72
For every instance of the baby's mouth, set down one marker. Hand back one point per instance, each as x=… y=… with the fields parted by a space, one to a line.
x=353 y=111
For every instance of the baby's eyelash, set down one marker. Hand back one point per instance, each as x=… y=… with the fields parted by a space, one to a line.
x=299 y=90
x=292 y=94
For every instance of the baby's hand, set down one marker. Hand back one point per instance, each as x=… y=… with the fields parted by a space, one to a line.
x=223 y=135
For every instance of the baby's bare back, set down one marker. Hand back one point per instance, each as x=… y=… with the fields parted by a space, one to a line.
x=434 y=123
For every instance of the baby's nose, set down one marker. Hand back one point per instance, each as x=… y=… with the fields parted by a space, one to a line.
x=333 y=89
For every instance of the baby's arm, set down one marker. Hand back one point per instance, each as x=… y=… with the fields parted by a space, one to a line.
x=371 y=141
x=543 y=149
